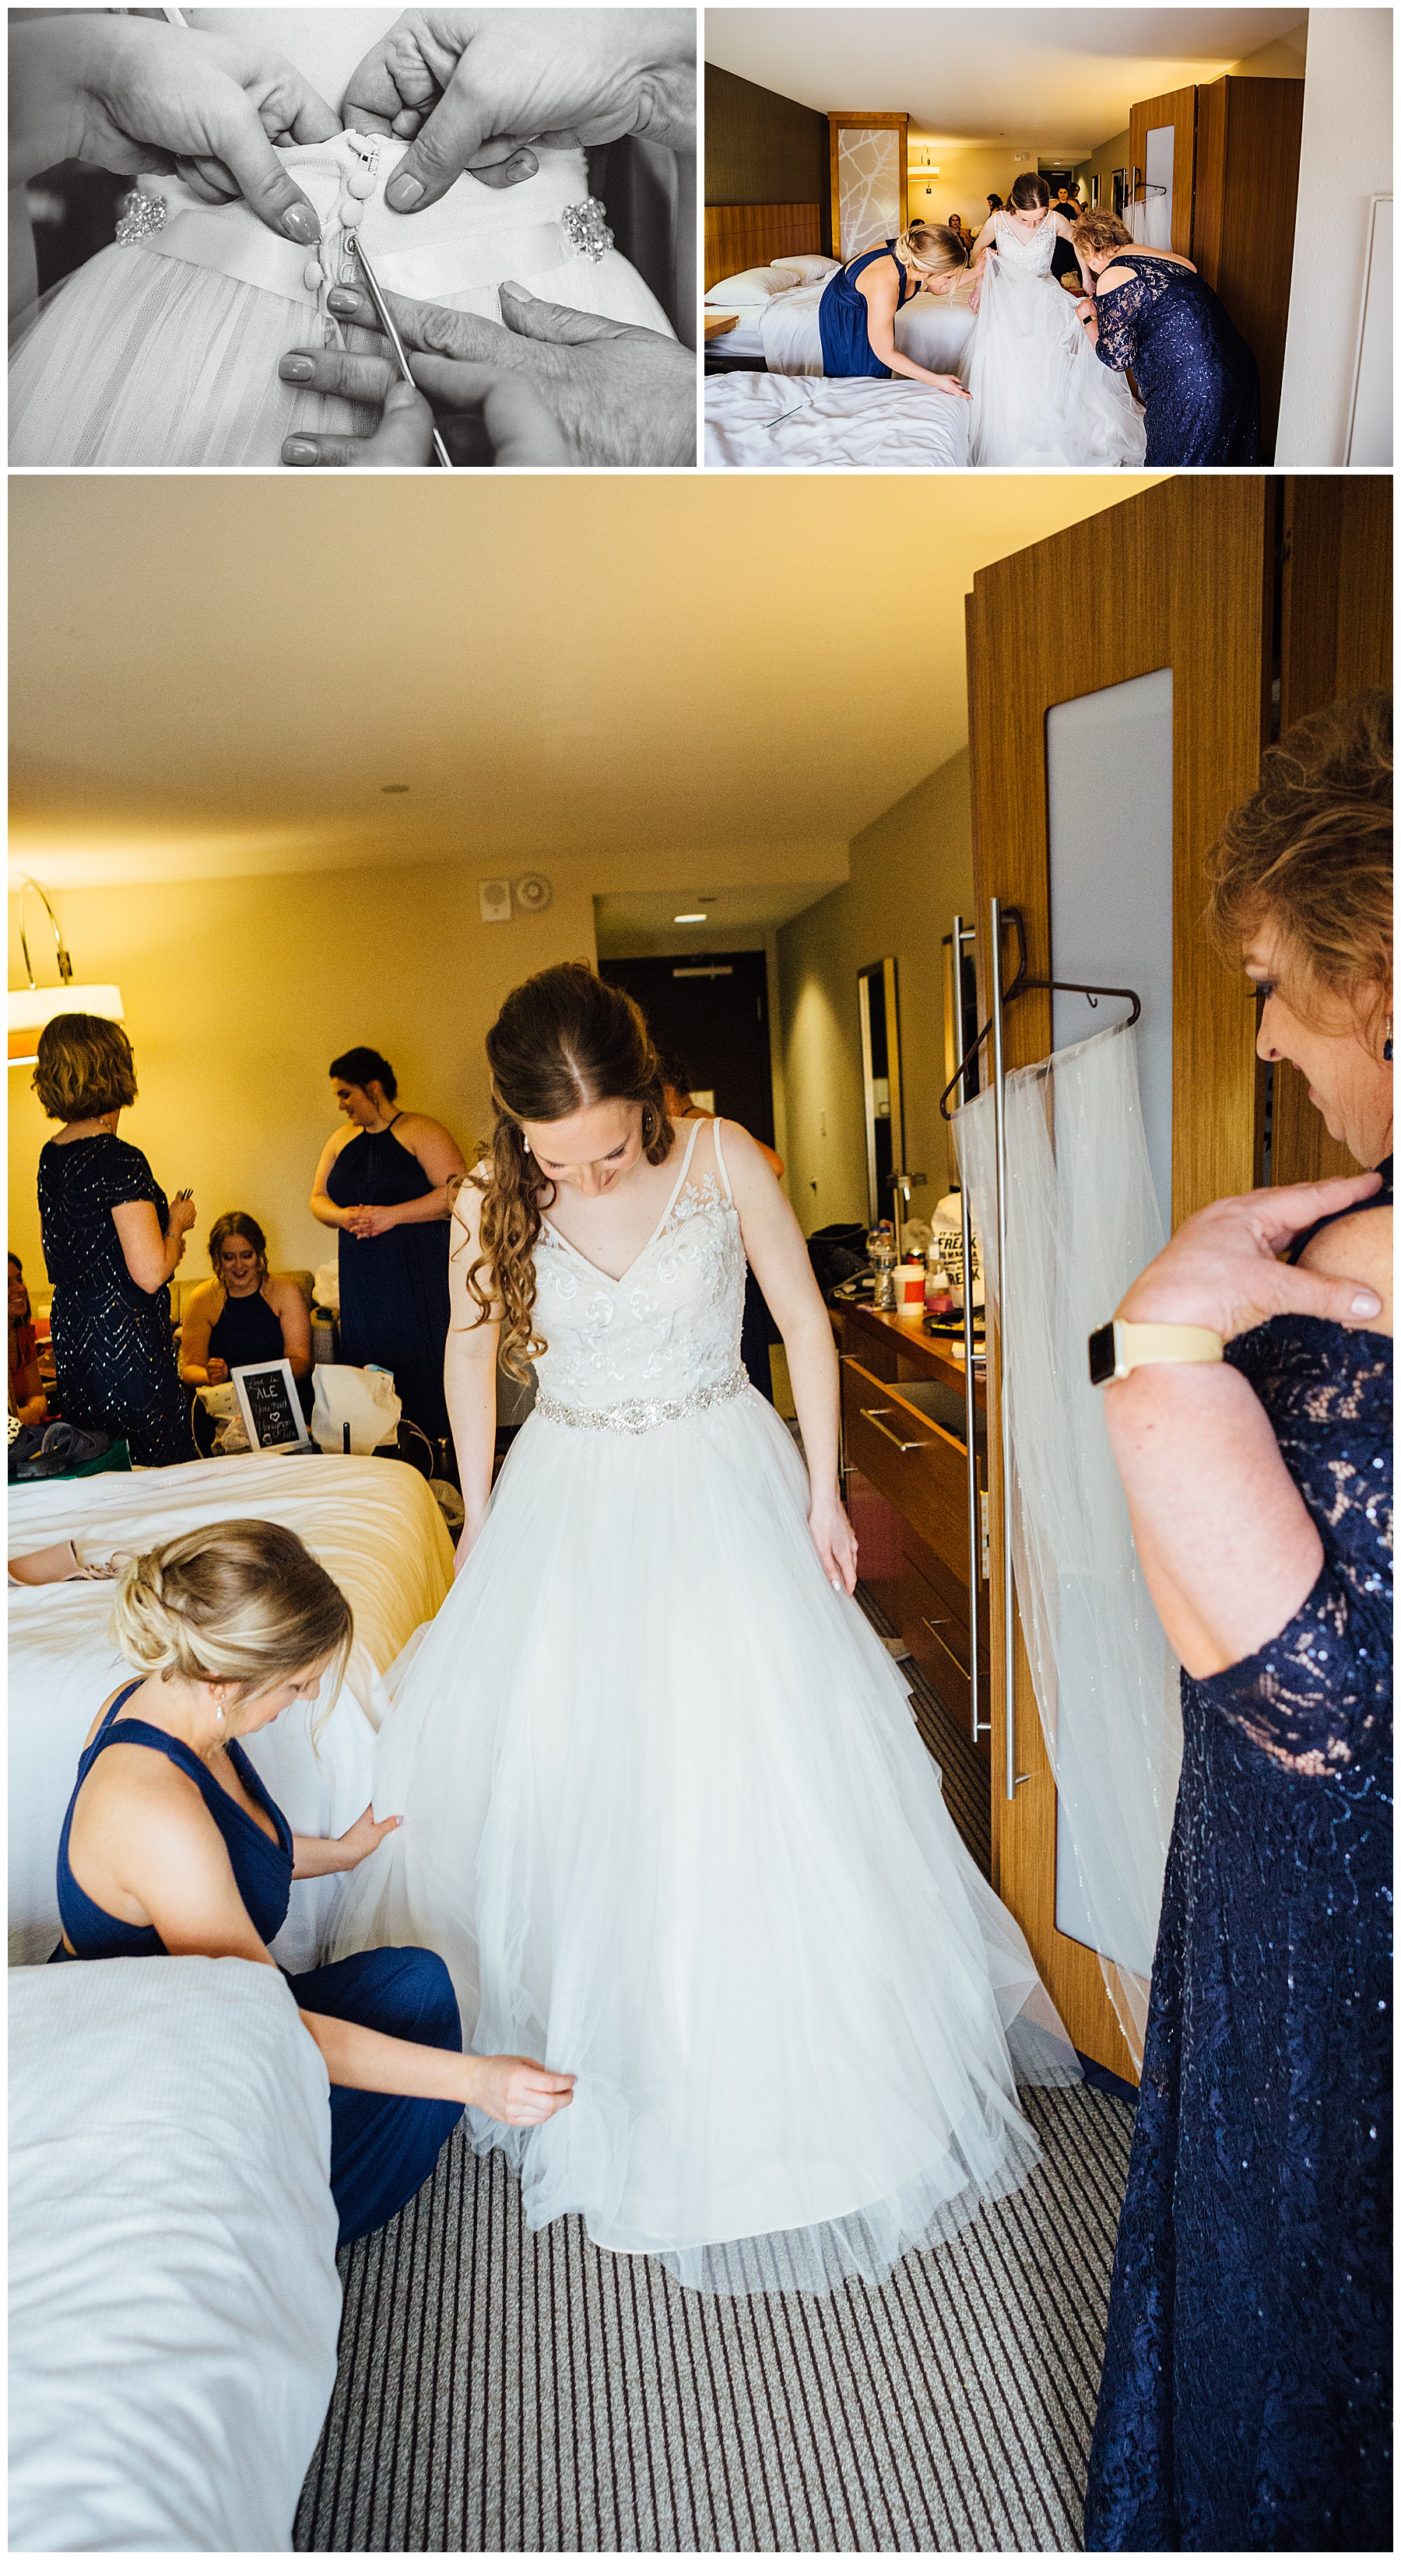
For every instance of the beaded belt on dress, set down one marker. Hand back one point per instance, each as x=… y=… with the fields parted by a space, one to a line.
x=643 y=1413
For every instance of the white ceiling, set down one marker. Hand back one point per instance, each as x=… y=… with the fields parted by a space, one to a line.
x=688 y=681
x=1060 y=79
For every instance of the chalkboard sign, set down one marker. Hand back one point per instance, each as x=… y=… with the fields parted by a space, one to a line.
x=270 y=1406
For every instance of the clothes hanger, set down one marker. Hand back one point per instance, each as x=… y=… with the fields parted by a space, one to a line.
x=1022 y=983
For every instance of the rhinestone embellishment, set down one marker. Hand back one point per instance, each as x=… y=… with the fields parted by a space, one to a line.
x=643 y=1414
x=586 y=229
x=141 y=215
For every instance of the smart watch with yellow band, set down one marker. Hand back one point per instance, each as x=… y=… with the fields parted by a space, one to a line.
x=1117 y=1349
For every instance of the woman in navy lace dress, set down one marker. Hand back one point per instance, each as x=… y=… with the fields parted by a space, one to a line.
x=1154 y=316
x=1245 y=2398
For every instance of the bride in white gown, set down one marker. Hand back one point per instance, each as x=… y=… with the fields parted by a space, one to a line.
x=164 y=351
x=666 y=1813
x=1041 y=398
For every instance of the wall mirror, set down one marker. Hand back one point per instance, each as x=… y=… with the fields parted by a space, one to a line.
x=880 y=1082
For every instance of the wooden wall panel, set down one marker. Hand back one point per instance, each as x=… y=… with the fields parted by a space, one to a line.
x=1335 y=638
x=738 y=236
x=761 y=148
x=1243 y=237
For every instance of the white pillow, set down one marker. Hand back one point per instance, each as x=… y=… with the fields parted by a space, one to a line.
x=806 y=270
x=748 y=292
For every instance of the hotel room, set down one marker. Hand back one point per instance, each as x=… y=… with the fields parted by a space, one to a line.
x=908 y=871
x=1241 y=156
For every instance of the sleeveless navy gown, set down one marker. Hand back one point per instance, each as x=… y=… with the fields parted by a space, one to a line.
x=394 y=1287
x=1245 y=2402
x=382 y=2148
x=843 y=318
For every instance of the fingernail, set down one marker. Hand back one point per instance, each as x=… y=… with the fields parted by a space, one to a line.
x=523 y=164
x=518 y=292
x=298 y=450
x=400 y=395
x=836 y=1581
x=343 y=298
x=300 y=223
x=403 y=191
x=1366 y=1303
x=295 y=369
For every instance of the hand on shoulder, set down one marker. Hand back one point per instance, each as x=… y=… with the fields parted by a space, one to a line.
x=1357 y=1248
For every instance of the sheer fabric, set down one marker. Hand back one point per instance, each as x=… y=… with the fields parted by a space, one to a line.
x=668 y=1818
x=164 y=352
x=1039 y=398
x=1082 y=1221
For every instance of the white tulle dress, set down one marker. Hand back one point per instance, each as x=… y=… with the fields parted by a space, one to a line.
x=1041 y=398
x=668 y=1819
x=163 y=351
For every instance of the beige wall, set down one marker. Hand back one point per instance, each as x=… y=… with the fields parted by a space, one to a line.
x=910 y=872
x=1344 y=160
x=1110 y=156
x=239 y=993
x=966 y=178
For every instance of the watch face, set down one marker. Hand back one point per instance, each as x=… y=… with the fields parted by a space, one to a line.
x=1102 y=1357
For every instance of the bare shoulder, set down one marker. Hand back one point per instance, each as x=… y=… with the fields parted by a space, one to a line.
x=1357 y=1247
x=466 y=1210
x=1113 y=277
x=748 y=1163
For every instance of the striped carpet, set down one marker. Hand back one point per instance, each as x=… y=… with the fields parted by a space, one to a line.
x=503 y=2391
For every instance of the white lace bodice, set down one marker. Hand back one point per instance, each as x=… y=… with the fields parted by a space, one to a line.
x=1025 y=257
x=670 y=1327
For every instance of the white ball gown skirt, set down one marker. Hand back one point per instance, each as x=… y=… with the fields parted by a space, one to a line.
x=668 y=1819
x=1041 y=398
x=164 y=352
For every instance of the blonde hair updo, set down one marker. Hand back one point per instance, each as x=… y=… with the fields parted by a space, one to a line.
x=241 y=1601
x=932 y=248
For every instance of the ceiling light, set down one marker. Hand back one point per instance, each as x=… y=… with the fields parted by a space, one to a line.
x=692 y=919
x=31 y=1007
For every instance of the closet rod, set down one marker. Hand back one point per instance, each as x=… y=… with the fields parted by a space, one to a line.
x=1022 y=984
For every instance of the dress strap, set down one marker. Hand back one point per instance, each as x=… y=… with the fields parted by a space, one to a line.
x=721 y=1165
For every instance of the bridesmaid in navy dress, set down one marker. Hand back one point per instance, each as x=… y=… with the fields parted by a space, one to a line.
x=226 y=1627
x=1245 y=2403
x=383 y=1181
x=856 y=315
x=1155 y=317
x=112 y=1243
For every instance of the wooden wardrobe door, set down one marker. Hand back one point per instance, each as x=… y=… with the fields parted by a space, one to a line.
x=1242 y=233
x=1335 y=639
x=1178 y=577
x=1178 y=108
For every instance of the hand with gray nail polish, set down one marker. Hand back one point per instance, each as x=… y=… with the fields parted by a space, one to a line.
x=124 y=94
x=480 y=86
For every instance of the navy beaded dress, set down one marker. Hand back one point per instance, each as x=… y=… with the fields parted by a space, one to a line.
x=382 y=2148
x=1245 y=2402
x=843 y=317
x=394 y=1287
x=1195 y=374
x=114 y=1352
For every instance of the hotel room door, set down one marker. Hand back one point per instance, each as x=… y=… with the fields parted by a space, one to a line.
x=1100 y=777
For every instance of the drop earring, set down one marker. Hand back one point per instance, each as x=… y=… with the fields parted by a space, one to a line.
x=1386 y=1044
x=525 y=1142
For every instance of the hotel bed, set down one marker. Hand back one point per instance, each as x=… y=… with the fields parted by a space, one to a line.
x=174 y=2301
x=370 y=1521
x=780 y=422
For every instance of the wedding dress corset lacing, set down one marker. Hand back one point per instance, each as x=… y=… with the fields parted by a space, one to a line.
x=1023 y=256
x=667 y=1333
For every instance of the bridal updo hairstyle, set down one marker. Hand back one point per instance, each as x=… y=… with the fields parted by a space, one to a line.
x=1310 y=852
x=562 y=1041
x=241 y=1601
x=931 y=248
x=83 y=1067
x=1029 y=193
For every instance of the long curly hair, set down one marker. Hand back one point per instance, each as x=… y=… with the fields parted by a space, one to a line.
x=562 y=1041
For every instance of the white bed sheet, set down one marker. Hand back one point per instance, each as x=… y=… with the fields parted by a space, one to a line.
x=773 y=422
x=745 y=339
x=174 y=2301
x=933 y=330
x=375 y=1527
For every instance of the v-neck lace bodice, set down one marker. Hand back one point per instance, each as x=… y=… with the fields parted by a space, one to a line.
x=671 y=1324
x=1026 y=256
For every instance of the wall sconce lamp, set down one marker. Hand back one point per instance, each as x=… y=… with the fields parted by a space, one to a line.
x=30 y=1007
